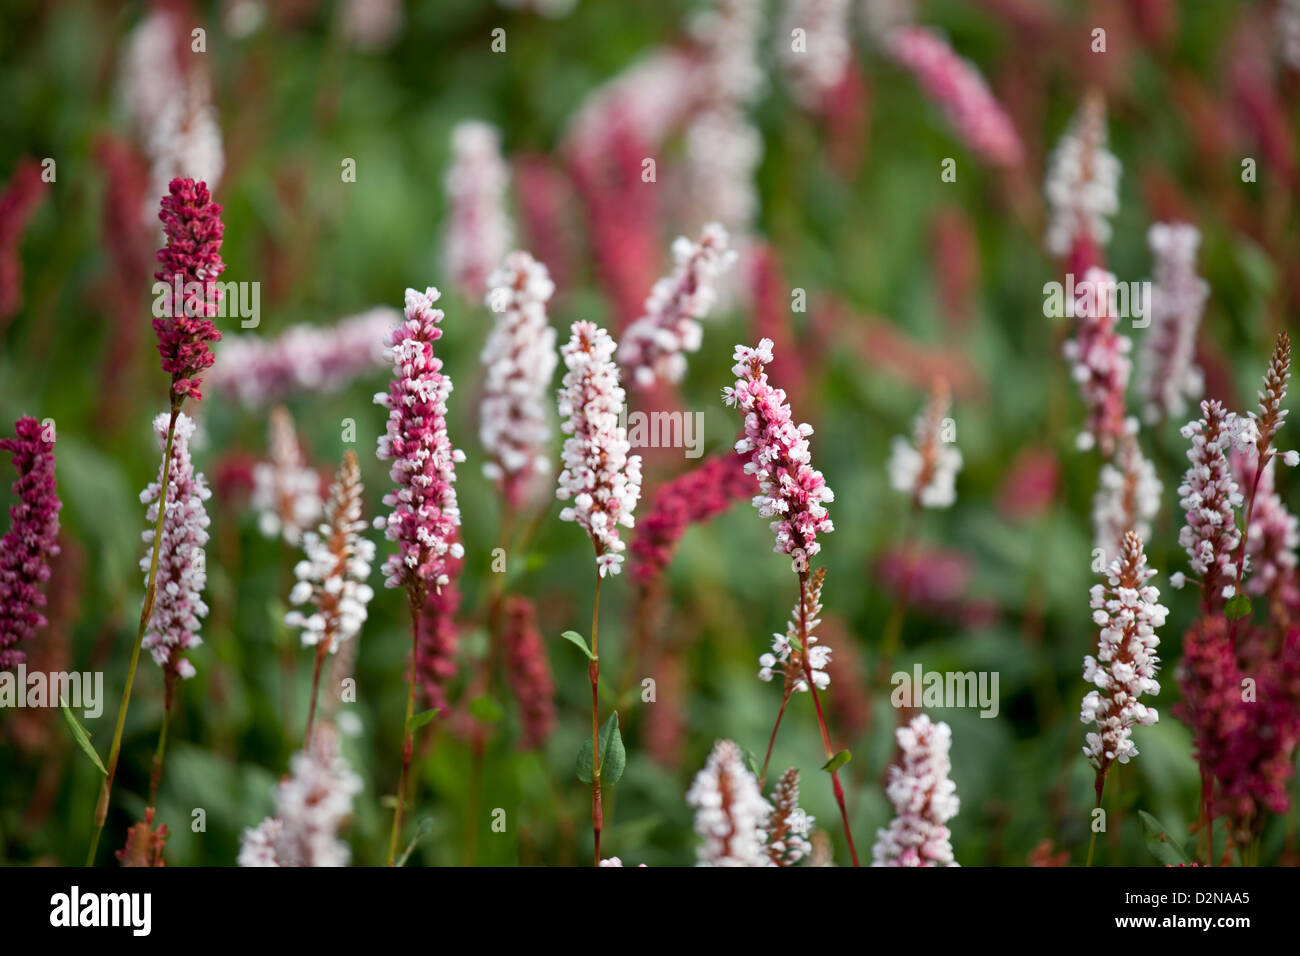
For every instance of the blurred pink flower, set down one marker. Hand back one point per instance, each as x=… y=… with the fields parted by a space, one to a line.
x=1100 y=364
x=18 y=203
x=956 y=86
x=479 y=232
x=924 y=799
x=32 y=538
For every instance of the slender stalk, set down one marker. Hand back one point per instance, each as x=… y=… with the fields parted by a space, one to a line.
x=321 y=654
x=821 y=718
x=146 y=614
x=407 y=741
x=155 y=775
x=593 y=671
x=767 y=759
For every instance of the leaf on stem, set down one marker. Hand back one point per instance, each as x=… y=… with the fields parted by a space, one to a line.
x=839 y=760
x=81 y=737
x=581 y=643
x=613 y=758
x=422 y=718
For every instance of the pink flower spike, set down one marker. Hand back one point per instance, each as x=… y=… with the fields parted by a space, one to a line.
x=1100 y=363
x=1082 y=184
x=602 y=480
x=518 y=362
x=790 y=490
x=425 y=515
x=32 y=538
x=1210 y=496
x=730 y=812
x=924 y=799
x=479 y=232
x=174 y=625
x=1169 y=375
x=190 y=265
x=655 y=345
x=1128 y=611
x=955 y=85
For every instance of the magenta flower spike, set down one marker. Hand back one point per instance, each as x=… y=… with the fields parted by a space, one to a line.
x=32 y=539
x=790 y=490
x=425 y=514
x=190 y=265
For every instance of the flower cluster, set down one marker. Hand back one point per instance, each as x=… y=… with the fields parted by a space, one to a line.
x=1082 y=184
x=722 y=146
x=32 y=538
x=144 y=844
x=286 y=493
x=924 y=799
x=312 y=805
x=926 y=469
x=425 y=515
x=602 y=480
x=529 y=672
x=785 y=832
x=818 y=64
x=1272 y=539
x=1169 y=374
x=1271 y=415
x=304 y=358
x=730 y=812
x=655 y=345
x=518 y=362
x=788 y=649
x=182 y=570
x=479 y=231
x=1127 y=499
x=1210 y=496
x=190 y=264
x=957 y=87
x=1100 y=364
x=167 y=94
x=1128 y=611
x=790 y=489
x=1245 y=745
x=691 y=498
x=332 y=579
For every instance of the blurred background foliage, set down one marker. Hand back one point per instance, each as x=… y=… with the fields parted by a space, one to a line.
x=294 y=100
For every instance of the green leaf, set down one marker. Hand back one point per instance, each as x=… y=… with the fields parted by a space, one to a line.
x=839 y=760
x=1162 y=846
x=422 y=718
x=750 y=761
x=1238 y=606
x=581 y=643
x=613 y=758
x=486 y=710
x=81 y=737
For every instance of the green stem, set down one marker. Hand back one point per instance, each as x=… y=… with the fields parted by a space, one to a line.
x=593 y=671
x=407 y=741
x=146 y=614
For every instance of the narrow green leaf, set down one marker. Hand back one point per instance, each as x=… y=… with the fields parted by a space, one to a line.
x=81 y=737
x=1162 y=846
x=581 y=643
x=422 y=718
x=839 y=760
x=486 y=710
x=613 y=758
x=750 y=761
x=1238 y=606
